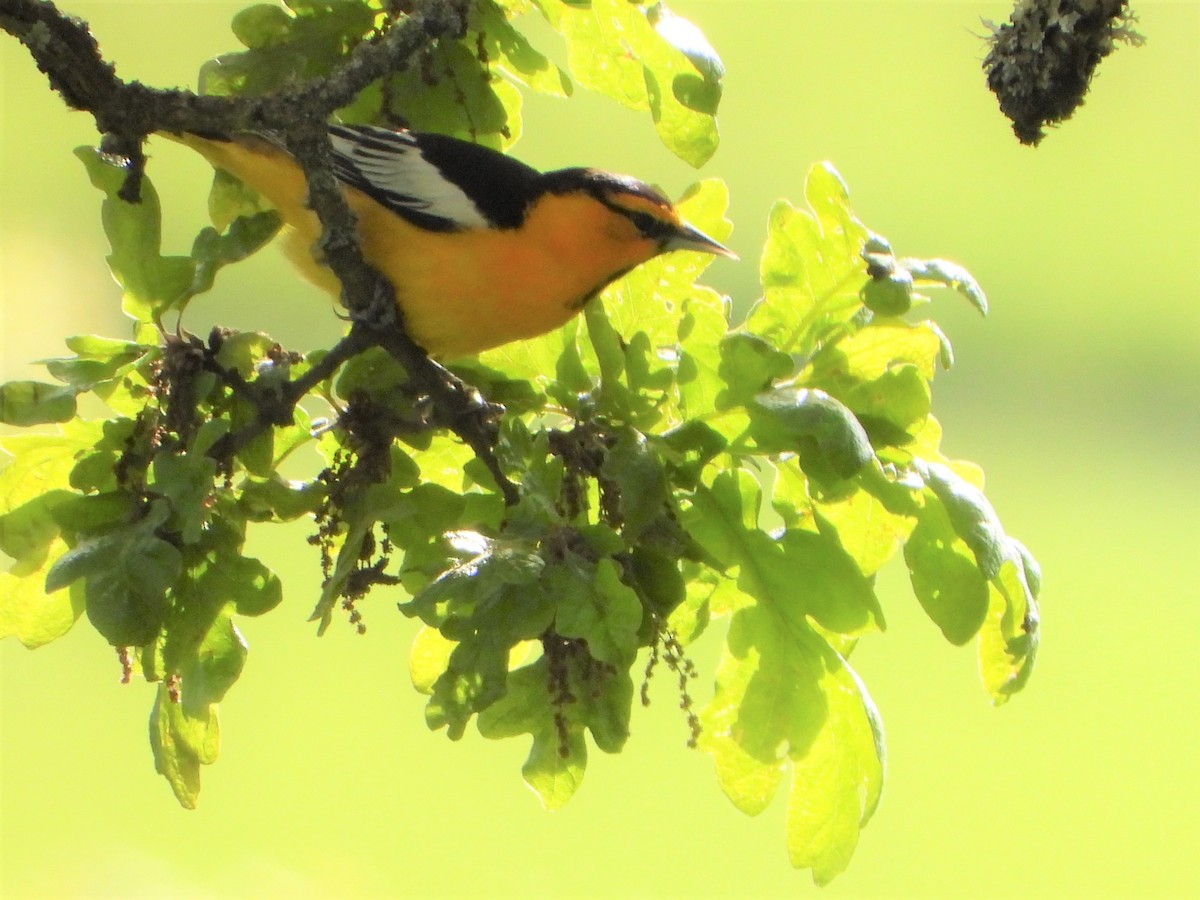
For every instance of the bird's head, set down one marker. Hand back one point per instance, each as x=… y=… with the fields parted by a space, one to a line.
x=635 y=214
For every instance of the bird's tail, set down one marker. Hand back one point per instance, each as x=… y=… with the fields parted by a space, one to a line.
x=258 y=162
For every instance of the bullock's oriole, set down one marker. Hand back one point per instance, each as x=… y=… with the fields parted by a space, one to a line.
x=481 y=249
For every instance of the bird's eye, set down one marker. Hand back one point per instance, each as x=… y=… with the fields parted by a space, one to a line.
x=646 y=223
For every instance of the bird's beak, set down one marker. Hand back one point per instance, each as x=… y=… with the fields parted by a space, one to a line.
x=689 y=238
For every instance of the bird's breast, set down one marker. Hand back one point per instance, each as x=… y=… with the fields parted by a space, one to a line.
x=468 y=291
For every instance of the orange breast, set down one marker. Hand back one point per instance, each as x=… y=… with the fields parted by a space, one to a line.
x=465 y=292
x=460 y=292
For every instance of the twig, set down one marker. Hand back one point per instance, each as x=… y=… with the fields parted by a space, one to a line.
x=126 y=112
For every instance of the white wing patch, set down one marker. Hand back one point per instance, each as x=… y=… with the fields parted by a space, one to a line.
x=389 y=166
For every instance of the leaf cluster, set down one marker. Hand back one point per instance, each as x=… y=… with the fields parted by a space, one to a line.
x=677 y=472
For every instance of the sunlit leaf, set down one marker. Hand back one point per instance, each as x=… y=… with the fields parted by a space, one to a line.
x=31 y=615
x=838 y=780
x=829 y=438
x=173 y=759
x=597 y=607
x=945 y=577
x=811 y=268
x=614 y=48
x=454 y=93
x=152 y=282
x=942 y=272
x=1011 y=633
x=33 y=403
x=250 y=586
x=518 y=58
x=213 y=250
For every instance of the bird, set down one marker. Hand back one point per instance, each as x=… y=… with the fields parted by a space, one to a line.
x=480 y=248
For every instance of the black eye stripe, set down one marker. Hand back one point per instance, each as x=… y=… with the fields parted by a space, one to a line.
x=644 y=221
x=647 y=223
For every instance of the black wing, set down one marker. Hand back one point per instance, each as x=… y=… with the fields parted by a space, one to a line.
x=436 y=182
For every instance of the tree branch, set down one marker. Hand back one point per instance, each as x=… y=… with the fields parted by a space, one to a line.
x=126 y=112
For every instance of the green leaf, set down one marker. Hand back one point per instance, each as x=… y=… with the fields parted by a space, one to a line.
x=892 y=407
x=826 y=434
x=454 y=93
x=474 y=679
x=1011 y=632
x=203 y=655
x=39 y=476
x=603 y=704
x=811 y=267
x=24 y=403
x=230 y=199
x=127 y=605
x=767 y=704
x=890 y=295
x=658 y=580
x=91 y=513
x=721 y=517
x=598 y=608
x=261 y=25
x=286 y=46
x=429 y=658
x=784 y=696
x=593 y=699
x=971 y=515
x=86 y=373
x=869 y=531
x=553 y=774
x=27 y=532
x=749 y=365
x=688 y=40
x=374 y=372
x=800 y=574
x=28 y=613
x=88 y=557
x=152 y=283
x=488 y=603
x=517 y=57
x=836 y=593
x=613 y=48
x=838 y=780
x=701 y=329
x=173 y=759
x=709 y=595
x=218 y=663
x=637 y=471
x=250 y=586
x=280 y=500
x=694 y=444
x=945 y=578
x=186 y=480
x=943 y=273
x=95 y=346
x=108 y=367
x=606 y=344
x=213 y=250
x=126 y=591
x=875 y=350
x=489 y=568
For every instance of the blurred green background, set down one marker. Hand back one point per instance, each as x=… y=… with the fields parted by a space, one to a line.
x=1078 y=395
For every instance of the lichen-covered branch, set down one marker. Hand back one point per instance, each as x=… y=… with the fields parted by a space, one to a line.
x=126 y=112
x=1041 y=61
